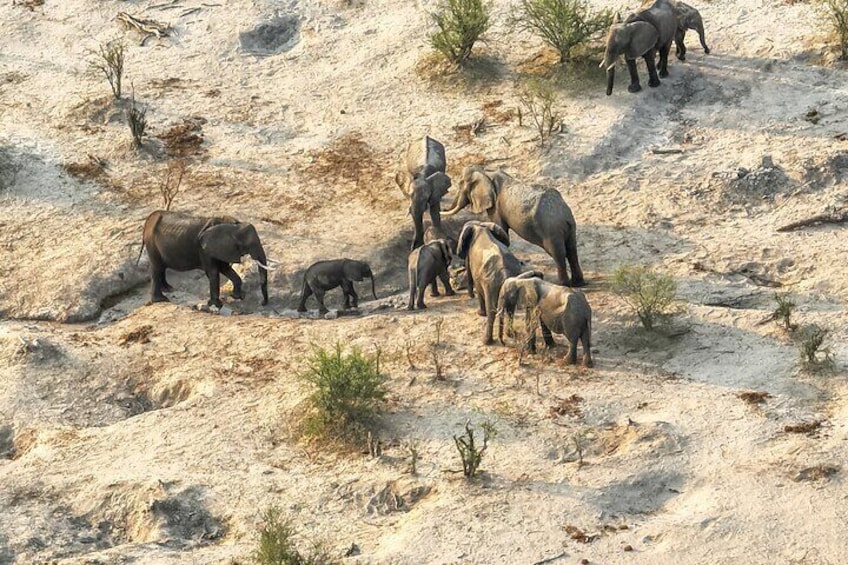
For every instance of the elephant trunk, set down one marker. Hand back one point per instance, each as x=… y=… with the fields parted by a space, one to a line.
x=458 y=204
x=258 y=255
x=610 y=78
x=373 y=291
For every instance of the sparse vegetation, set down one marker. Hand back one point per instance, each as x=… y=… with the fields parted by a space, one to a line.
x=109 y=60
x=461 y=23
x=650 y=295
x=470 y=453
x=414 y=455
x=137 y=120
x=277 y=547
x=348 y=396
x=836 y=14
x=172 y=178
x=783 y=312
x=562 y=24
x=538 y=98
x=814 y=354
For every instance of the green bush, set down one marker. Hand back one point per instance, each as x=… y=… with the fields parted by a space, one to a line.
x=538 y=97
x=349 y=392
x=836 y=14
x=783 y=312
x=562 y=24
x=814 y=354
x=460 y=23
x=470 y=453
x=651 y=295
x=276 y=544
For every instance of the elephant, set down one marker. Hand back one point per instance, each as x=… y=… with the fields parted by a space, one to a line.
x=326 y=275
x=537 y=214
x=559 y=309
x=424 y=183
x=489 y=262
x=182 y=243
x=645 y=32
x=432 y=233
x=426 y=263
x=687 y=18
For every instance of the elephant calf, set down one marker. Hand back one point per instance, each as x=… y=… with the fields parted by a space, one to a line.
x=489 y=264
x=426 y=263
x=687 y=18
x=327 y=275
x=183 y=243
x=559 y=310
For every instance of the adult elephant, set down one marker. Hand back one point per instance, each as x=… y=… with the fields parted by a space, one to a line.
x=183 y=243
x=539 y=215
x=424 y=183
x=645 y=32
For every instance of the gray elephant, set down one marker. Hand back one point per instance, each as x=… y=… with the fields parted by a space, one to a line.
x=424 y=182
x=539 y=215
x=327 y=275
x=183 y=243
x=687 y=18
x=425 y=265
x=432 y=233
x=489 y=262
x=645 y=32
x=558 y=309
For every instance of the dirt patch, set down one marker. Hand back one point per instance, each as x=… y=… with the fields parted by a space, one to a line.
x=184 y=140
x=817 y=473
x=91 y=170
x=803 y=427
x=754 y=397
x=276 y=36
x=568 y=407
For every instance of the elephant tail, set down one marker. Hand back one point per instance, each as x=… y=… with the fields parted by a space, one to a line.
x=373 y=291
x=140 y=252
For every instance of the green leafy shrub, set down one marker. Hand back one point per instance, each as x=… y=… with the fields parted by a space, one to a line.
x=814 y=354
x=276 y=544
x=651 y=295
x=562 y=24
x=349 y=392
x=469 y=452
x=783 y=312
x=460 y=23
x=836 y=14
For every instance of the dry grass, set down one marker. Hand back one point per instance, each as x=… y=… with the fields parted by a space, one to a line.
x=803 y=427
x=754 y=397
x=185 y=139
x=91 y=170
x=568 y=407
x=138 y=335
x=817 y=472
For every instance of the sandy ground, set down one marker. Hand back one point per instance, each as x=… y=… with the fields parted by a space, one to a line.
x=134 y=433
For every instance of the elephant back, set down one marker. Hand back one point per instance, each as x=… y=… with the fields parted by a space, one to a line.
x=661 y=15
x=426 y=157
x=528 y=208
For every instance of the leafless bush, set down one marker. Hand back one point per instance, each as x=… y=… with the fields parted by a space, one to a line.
x=137 y=120
x=172 y=178
x=109 y=60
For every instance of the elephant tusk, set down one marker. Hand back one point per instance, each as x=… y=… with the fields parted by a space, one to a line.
x=270 y=261
x=611 y=67
x=266 y=267
x=601 y=65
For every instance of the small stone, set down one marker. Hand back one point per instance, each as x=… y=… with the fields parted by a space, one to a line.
x=331 y=315
x=628 y=547
x=225 y=311
x=352 y=550
x=584 y=561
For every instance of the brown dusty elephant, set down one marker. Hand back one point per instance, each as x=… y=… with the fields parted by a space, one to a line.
x=425 y=265
x=182 y=243
x=537 y=214
x=687 y=18
x=489 y=262
x=648 y=30
x=558 y=309
x=424 y=182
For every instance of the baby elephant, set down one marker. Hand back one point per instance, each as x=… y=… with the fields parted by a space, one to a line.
x=559 y=309
x=687 y=18
x=426 y=263
x=326 y=275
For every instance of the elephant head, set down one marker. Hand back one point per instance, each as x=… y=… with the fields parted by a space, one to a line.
x=357 y=271
x=519 y=289
x=471 y=228
x=230 y=242
x=480 y=188
x=424 y=193
x=632 y=40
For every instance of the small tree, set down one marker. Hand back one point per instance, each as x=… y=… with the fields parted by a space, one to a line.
x=562 y=24
x=169 y=185
x=349 y=392
x=460 y=23
x=814 y=355
x=277 y=547
x=469 y=452
x=650 y=294
x=539 y=98
x=109 y=60
x=137 y=120
x=836 y=13
x=783 y=312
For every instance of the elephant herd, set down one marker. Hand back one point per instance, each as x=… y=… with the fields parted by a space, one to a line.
x=493 y=273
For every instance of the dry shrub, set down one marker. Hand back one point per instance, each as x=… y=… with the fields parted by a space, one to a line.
x=568 y=407
x=539 y=98
x=802 y=427
x=109 y=60
x=817 y=472
x=137 y=121
x=171 y=181
x=470 y=453
x=276 y=544
x=754 y=397
x=835 y=13
x=185 y=139
x=815 y=355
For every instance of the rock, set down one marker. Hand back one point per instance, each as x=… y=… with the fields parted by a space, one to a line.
x=225 y=311
x=768 y=162
x=628 y=547
x=331 y=315
x=352 y=550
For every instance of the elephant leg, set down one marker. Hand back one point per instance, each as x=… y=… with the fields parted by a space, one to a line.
x=319 y=296
x=412 y=288
x=436 y=213
x=546 y=335
x=571 y=356
x=419 y=299
x=445 y=278
x=354 y=296
x=490 y=328
x=560 y=256
x=679 y=46
x=634 y=76
x=482 y=301
x=227 y=270
x=664 y=51
x=157 y=277
x=165 y=286
x=585 y=342
x=304 y=294
x=434 y=288
x=214 y=286
x=651 y=62
x=347 y=289
x=571 y=254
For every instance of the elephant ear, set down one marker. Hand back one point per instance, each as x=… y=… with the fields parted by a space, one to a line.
x=446 y=252
x=354 y=270
x=402 y=179
x=499 y=233
x=465 y=238
x=481 y=192
x=439 y=184
x=499 y=179
x=220 y=242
